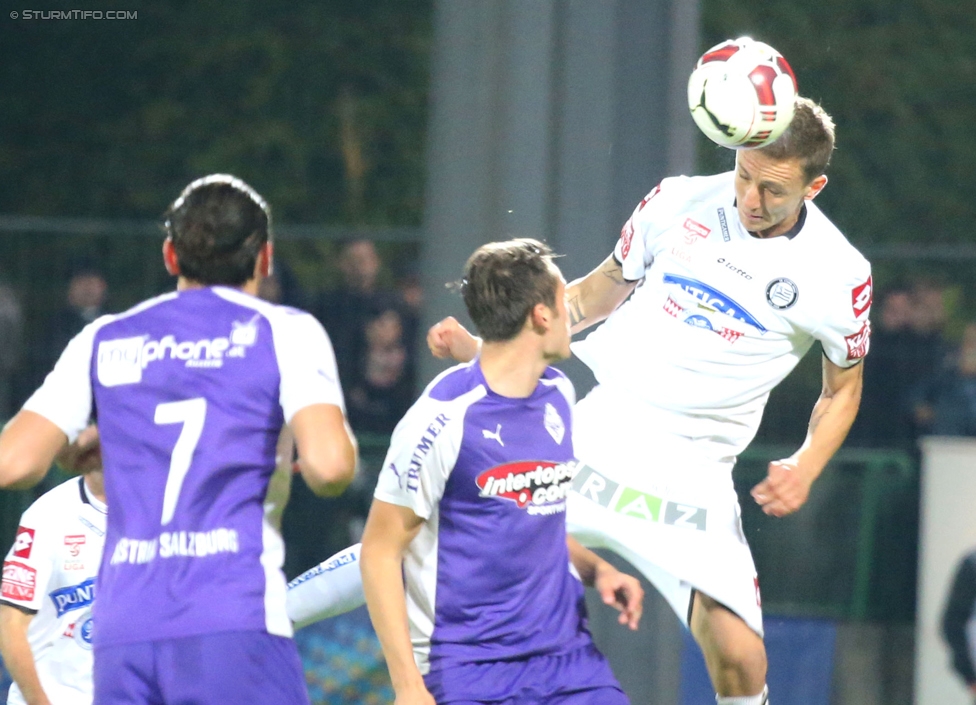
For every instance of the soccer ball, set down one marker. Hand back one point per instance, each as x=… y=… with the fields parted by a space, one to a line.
x=741 y=93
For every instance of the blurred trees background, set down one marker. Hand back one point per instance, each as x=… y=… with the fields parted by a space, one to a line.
x=320 y=106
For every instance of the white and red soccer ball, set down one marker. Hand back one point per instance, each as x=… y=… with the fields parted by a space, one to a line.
x=742 y=93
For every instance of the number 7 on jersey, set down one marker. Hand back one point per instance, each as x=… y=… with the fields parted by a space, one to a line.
x=190 y=413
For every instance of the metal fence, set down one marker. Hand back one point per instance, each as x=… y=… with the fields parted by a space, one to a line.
x=851 y=552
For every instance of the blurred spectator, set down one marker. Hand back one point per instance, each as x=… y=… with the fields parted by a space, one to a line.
x=87 y=291
x=314 y=527
x=928 y=312
x=282 y=286
x=906 y=346
x=958 y=628
x=84 y=302
x=345 y=310
x=380 y=370
x=371 y=327
x=946 y=404
x=411 y=292
x=380 y=393
x=11 y=350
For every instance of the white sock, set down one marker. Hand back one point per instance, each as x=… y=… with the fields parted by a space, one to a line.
x=334 y=586
x=761 y=699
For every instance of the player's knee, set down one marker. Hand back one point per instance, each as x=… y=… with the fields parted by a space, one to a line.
x=728 y=643
x=747 y=657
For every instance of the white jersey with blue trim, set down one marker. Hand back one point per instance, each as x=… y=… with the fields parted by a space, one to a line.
x=722 y=316
x=50 y=571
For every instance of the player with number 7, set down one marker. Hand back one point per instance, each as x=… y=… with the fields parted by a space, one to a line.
x=193 y=390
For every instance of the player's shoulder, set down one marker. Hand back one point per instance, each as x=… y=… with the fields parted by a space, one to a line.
x=103 y=325
x=285 y=321
x=275 y=313
x=689 y=193
x=557 y=379
x=448 y=395
x=829 y=246
x=140 y=308
x=699 y=188
x=55 y=504
x=456 y=383
x=440 y=410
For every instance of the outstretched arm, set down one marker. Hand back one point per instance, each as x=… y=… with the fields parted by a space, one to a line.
x=787 y=484
x=28 y=446
x=327 y=449
x=590 y=299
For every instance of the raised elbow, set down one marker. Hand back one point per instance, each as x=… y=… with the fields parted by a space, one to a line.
x=17 y=472
x=330 y=472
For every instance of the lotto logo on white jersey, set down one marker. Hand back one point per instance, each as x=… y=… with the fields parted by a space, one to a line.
x=24 y=542
x=861 y=297
x=654 y=191
x=626 y=237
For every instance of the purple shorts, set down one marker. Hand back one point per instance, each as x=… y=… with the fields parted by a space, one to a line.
x=594 y=696
x=227 y=667
x=579 y=677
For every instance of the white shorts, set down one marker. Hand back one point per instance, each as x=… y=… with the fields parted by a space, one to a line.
x=664 y=503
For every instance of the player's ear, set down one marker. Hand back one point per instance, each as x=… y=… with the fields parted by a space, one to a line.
x=815 y=187
x=541 y=318
x=265 y=261
x=170 y=260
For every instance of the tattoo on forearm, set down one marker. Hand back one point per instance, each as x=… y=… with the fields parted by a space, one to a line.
x=614 y=272
x=575 y=310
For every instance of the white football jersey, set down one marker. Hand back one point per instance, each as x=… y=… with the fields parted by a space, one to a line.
x=50 y=570
x=721 y=316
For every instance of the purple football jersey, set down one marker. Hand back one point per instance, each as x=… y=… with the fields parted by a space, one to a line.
x=488 y=577
x=191 y=391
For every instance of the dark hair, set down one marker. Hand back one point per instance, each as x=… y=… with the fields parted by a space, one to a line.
x=809 y=138
x=218 y=226
x=503 y=281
